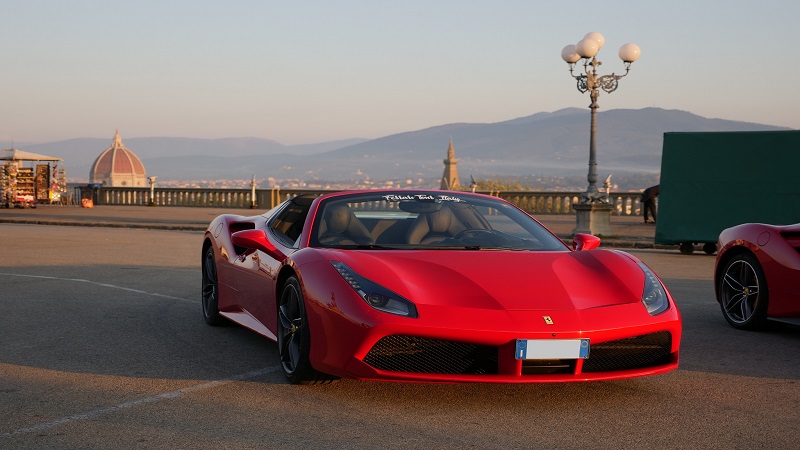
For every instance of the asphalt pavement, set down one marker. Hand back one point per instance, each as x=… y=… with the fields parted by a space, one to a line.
x=630 y=231
x=104 y=346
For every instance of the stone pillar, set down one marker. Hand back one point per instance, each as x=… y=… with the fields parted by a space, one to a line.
x=593 y=218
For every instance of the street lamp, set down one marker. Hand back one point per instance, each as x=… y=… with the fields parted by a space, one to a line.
x=589 y=81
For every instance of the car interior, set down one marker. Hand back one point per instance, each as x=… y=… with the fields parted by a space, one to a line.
x=345 y=223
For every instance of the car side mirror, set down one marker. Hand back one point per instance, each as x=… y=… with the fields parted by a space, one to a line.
x=584 y=242
x=256 y=240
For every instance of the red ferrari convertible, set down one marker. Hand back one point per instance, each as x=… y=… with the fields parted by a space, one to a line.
x=756 y=274
x=434 y=286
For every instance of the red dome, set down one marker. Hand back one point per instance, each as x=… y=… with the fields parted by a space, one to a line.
x=118 y=166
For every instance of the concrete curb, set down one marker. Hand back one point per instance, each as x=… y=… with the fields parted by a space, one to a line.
x=145 y=226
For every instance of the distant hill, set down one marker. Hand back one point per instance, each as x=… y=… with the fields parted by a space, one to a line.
x=175 y=158
x=555 y=143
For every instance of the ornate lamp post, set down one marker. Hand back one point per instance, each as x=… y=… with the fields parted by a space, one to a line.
x=593 y=211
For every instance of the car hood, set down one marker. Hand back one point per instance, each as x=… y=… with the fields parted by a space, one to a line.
x=506 y=280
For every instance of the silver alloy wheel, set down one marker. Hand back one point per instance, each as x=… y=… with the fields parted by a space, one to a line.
x=743 y=293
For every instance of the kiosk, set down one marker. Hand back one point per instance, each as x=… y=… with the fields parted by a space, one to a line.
x=28 y=178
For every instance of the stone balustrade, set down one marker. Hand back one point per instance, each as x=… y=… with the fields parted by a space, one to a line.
x=533 y=202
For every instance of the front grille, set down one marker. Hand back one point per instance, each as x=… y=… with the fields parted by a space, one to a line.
x=632 y=353
x=422 y=355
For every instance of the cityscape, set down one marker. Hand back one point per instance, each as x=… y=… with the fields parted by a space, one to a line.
x=544 y=151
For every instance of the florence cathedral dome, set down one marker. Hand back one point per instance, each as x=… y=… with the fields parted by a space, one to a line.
x=117 y=166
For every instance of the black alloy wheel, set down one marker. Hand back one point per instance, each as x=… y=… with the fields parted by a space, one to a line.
x=742 y=293
x=294 y=337
x=210 y=289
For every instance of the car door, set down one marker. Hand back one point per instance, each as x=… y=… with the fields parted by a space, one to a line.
x=259 y=270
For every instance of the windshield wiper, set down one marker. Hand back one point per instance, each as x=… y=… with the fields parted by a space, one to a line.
x=493 y=247
x=448 y=247
x=373 y=247
x=364 y=247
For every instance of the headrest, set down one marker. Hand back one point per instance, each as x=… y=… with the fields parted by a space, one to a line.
x=338 y=219
x=439 y=221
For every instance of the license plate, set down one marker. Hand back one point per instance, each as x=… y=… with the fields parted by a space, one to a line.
x=552 y=348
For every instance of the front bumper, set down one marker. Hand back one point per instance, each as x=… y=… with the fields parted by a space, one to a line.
x=625 y=342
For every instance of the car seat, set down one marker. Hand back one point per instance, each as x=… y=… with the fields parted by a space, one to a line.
x=433 y=227
x=341 y=226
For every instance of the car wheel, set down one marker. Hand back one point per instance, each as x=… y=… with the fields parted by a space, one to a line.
x=687 y=248
x=710 y=248
x=742 y=293
x=210 y=289
x=294 y=337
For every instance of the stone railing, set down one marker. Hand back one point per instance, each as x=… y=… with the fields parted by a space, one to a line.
x=544 y=202
x=533 y=202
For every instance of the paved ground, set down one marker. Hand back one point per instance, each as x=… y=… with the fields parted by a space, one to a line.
x=630 y=232
x=104 y=346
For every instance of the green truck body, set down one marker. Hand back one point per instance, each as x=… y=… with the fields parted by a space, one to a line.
x=715 y=180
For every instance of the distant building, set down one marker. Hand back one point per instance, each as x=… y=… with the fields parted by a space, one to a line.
x=450 y=177
x=117 y=166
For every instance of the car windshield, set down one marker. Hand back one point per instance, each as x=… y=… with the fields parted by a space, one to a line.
x=427 y=220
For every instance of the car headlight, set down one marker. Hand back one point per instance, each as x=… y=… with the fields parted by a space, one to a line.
x=374 y=294
x=654 y=296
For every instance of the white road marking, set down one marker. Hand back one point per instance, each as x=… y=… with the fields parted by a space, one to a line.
x=88 y=415
x=112 y=286
x=129 y=404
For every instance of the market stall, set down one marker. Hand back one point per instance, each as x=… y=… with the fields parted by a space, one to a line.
x=28 y=178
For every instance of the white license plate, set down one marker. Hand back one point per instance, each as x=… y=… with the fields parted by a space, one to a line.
x=552 y=348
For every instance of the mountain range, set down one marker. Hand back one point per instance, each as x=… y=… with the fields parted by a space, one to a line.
x=543 y=144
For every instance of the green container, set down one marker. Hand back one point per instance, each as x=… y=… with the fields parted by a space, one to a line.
x=715 y=180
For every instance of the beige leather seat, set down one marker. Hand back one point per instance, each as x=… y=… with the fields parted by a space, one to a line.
x=433 y=227
x=340 y=226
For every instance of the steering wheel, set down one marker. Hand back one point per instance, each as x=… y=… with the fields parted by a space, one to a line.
x=476 y=236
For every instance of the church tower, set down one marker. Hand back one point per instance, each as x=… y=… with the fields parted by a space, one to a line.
x=450 y=177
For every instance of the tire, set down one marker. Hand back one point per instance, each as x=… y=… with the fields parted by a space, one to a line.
x=687 y=248
x=743 y=294
x=210 y=289
x=294 y=337
x=710 y=248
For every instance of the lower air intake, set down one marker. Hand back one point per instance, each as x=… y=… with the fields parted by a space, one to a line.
x=633 y=353
x=423 y=355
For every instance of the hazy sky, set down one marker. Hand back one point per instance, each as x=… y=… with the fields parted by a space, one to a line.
x=311 y=71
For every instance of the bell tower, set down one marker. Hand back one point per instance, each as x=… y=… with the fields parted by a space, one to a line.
x=450 y=177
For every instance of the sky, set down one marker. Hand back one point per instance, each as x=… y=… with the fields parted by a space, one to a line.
x=314 y=71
